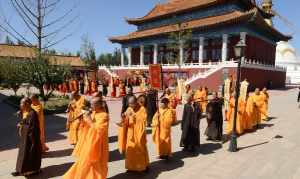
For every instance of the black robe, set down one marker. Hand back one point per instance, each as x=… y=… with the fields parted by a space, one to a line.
x=125 y=102
x=30 y=148
x=214 y=130
x=151 y=105
x=190 y=124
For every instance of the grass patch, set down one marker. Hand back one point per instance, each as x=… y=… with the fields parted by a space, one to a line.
x=55 y=104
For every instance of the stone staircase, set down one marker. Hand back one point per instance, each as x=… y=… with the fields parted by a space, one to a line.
x=207 y=76
x=108 y=71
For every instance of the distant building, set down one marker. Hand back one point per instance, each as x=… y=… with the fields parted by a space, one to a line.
x=287 y=57
x=25 y=52
x=217 y=26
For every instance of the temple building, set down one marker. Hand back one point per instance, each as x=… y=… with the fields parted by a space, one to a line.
x=287 y=57
x=216 y=26
x=22 y=52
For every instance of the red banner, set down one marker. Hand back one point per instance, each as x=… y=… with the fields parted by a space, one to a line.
x=155 y=72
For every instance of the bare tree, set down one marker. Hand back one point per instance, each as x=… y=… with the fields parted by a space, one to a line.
x=48 y=29
x=39 y=17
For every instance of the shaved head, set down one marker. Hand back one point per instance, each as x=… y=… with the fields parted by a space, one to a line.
x=25 y=103
x=132 y=100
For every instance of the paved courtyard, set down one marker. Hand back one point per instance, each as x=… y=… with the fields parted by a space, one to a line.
x=271 y=152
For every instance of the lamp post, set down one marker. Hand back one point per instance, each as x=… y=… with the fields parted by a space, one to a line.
x=239 y=51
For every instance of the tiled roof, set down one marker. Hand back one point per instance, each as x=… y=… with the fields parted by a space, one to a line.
x=202 y=24
x=18 y=51
x=25 y=52
x=66 y=60
x=174 y=7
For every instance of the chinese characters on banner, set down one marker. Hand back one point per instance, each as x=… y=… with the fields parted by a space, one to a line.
x=155 y=72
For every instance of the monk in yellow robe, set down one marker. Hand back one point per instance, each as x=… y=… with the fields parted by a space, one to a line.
x=265 y=106
x=39 y=109
x=132 y=137
x=258 y=104
x=248 y=114
x=205 y=99
x=240 y=116
x=161 y=129
x=94 y=87
x=172 y=101
x=92 y=163
x=122 y=89
x=199 y=97
x=74 y=117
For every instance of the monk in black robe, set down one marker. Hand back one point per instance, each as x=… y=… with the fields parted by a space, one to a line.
x=125 y=100
x=190 y=138
x=30 y=148
x=151 y=105
x=214 y=130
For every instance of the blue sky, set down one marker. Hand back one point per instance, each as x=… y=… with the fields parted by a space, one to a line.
x=100 y=19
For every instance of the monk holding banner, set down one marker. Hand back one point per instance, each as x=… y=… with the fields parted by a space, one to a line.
x=161 y=129
x=132 y=137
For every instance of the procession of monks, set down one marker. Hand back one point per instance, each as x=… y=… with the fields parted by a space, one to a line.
x=88 y=123
x=88 y=87
x=251 y=111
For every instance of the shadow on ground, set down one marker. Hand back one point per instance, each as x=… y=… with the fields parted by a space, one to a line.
x=58 y=153
x=53 y=171
x=254 y=145
x=160 y=166
x=55 y=125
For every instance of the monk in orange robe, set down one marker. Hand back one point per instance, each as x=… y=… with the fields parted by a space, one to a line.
x=240 y=116
x=74 y=117
x=200 y=97
x=264 y=108
x=248 y=114
x=94 y=87
x=258 y=104
x=132 y=137
x=172 y=101
x=64 y=88
x=161 y=129
x=122 y=89
x=93 y=160
x=39 y=109
x=71 y=85
x=205 y=98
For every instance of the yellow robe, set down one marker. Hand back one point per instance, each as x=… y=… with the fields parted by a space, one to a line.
x=75 y=126
x=39 y=109
x=81 y=140
x=264 y=108
x=240 y=116
x=161 y=131
x=249 y=113
x=200 y=97
x=259 y=102
x=92 y=163
x=132 y=140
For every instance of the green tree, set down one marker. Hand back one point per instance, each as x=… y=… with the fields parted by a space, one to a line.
x=9 y=41
x=183 y=36
x=45 y=71
x=110 y=58
x=11 y=73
